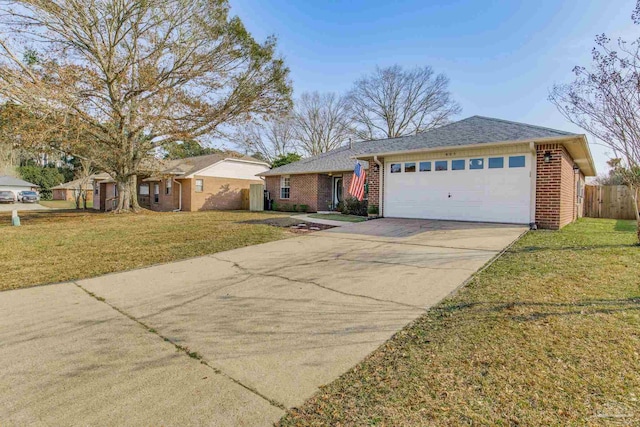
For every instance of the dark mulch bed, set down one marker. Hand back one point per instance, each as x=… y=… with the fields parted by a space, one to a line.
x=291 y=223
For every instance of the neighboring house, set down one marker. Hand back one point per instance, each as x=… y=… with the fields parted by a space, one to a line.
x=69 y=190
x=476 y=169
x=209 y=182
x=105 y=192
x=16 y=185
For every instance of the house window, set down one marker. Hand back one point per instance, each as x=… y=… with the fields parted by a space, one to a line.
x=167 y=187
x=199 y=186
x=409 y=167
x=425 y=166
x=156 y=193
x=396 y=167
x=496 y=162
x=285 y=187
x=476 y=164
x=144 y=189
x=457 y=165
x=516 y=161
x=441 y=165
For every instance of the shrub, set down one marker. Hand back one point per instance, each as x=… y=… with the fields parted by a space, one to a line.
x=353 y=206
x=45 y=177
x=304 y=208
x=372 y=210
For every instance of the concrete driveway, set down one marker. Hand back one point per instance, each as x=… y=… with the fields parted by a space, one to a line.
x=233 y=338
x=8 y=207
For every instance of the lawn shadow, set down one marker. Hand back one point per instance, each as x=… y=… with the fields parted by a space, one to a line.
x=545 y=309
x=625 y=225
x=532 y=249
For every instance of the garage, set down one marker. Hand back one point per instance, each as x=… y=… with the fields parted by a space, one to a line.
x=490 y=188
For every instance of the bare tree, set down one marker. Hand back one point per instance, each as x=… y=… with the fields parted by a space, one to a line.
x=394 y=102
x=270 y=139
x=113 y=80
x=83 y=178
x=604 y=99
x=321 y=122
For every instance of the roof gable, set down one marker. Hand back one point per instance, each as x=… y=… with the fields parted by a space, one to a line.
x=15 y=182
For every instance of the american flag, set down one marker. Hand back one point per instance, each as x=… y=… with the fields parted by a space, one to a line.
x=356 y=189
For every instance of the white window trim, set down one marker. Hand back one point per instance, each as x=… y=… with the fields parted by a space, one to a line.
x=282 y=186
x=201 y=185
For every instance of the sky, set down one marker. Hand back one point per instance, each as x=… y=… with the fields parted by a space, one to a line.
x=502 y=57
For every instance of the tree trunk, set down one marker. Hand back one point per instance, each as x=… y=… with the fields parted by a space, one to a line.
x=127 y=195
x=634 y=196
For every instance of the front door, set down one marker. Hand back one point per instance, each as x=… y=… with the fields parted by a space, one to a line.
x=337 y=190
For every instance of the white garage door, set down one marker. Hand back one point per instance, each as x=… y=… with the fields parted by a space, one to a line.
x=493 y=189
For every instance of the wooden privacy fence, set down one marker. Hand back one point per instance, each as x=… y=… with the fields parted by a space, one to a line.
x=609 y=201
x=245 y=199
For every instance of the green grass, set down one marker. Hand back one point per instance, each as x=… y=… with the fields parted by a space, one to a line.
x=62 y=204
x=55 y=246
x=549 y=334
x=338 y=217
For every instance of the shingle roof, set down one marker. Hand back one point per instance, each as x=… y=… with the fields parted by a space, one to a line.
x=15 y=182
x=340 y=159
x=185 y=166
x=469 y=131
x=72 y=185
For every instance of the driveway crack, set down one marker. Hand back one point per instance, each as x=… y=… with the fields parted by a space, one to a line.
x=311 y=282
x=185 y=350
x=390 y=242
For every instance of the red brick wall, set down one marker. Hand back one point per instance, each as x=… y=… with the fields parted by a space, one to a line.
x=555 y=188
x=568 y=183
x=346 y=183
x=325 y=192
x=313 y=190
x=304 y=191
x=373 y=178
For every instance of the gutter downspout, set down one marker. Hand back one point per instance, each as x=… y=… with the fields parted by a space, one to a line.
x=380 y=189
x=534 y=183
x=180 y=196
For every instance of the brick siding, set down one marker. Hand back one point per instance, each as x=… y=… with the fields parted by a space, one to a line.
x=68 y=194
x=556 y=201
x=217 y=194
x=325 y=192
x=373 y=179
x=313 y=190
x=303 y=191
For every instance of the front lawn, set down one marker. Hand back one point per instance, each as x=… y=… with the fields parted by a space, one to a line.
x=54 y=246
x=63 y=204
x=338 y=217
x=547 y=335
